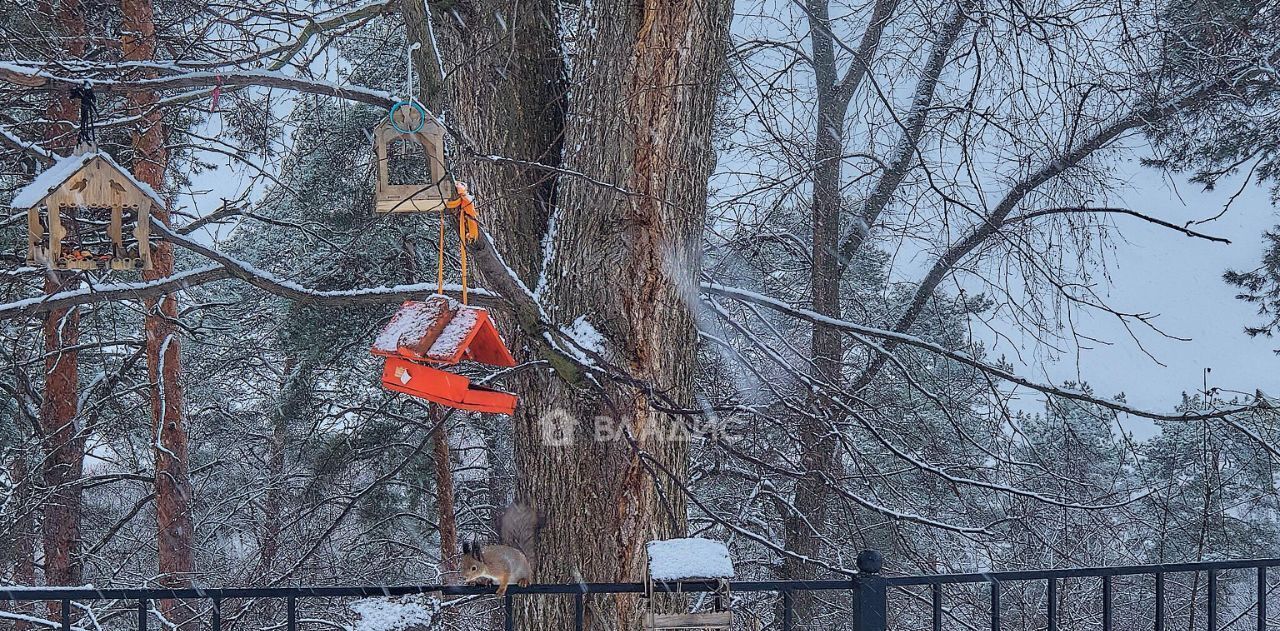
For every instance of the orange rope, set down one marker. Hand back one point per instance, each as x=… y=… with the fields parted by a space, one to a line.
x=462 y=252
x=440 y=258
x=468 y=232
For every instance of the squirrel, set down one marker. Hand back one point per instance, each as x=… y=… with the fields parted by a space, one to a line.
x=506 y=563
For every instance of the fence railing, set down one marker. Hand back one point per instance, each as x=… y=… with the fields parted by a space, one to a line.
x=869 y=591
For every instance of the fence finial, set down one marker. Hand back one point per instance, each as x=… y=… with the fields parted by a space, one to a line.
x=870 y=561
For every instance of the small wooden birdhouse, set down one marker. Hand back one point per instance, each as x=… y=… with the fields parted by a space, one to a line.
x=678 y=561
x=87 y=212
x=411 y=175
x=443 y=332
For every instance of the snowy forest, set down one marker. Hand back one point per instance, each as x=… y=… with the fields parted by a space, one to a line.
x=754 y=260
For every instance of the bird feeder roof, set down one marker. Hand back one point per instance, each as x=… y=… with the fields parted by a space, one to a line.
x=52 y=178
x=444 y=331
x=688 y=559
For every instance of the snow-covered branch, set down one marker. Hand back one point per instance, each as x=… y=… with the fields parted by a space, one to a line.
x=225 y=267
x=7 y=137
x=895 y=337
x=112 y=292
x=291 y=290
x=34 y=76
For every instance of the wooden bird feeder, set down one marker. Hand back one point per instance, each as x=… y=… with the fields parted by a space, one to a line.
x=440 y=331
x=677 y=561
x=430 y=189
x=87 y=212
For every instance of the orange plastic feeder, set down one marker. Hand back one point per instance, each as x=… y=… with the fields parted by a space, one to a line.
x=443 y=332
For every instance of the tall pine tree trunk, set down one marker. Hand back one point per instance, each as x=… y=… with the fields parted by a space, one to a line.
x=448 y=516
x=172 y=475
x=63 y=447
x=62 y=438
x=644 y=84
x=625 y=255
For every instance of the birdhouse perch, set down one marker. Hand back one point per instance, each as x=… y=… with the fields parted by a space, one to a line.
x=87 y=212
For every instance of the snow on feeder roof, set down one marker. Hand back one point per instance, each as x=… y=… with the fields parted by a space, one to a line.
x=442 y=331
x=88 y=212
x=692 y=558
x=63 y=169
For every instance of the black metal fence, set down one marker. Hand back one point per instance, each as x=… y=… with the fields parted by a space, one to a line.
x=869 y=592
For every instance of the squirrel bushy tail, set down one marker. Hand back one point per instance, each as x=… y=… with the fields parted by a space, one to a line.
x=518 y=525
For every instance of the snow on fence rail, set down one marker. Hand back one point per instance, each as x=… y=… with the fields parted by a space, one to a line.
x=869 y=591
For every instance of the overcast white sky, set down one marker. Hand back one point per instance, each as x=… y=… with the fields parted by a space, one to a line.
x=1163 y=272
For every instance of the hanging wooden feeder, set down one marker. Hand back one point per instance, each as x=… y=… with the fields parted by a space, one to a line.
x=87 y=212
x=443 y=332
x=410 y=123
x=677 y=561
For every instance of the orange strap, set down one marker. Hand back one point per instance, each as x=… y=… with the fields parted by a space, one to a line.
x=440 y=258
x=468 y=232
x=468 y=219
x=462 y=254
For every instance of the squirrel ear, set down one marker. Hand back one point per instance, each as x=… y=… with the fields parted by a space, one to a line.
x=466 y=547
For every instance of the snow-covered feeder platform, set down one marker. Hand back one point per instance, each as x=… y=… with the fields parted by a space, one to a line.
x=692 y=558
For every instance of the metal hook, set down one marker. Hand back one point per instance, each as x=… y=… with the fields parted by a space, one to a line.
x=409 y=95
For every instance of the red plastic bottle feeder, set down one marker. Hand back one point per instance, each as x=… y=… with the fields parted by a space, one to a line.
x=443 y=332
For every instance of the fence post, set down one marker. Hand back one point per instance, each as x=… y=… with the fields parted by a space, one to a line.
x=870 y=594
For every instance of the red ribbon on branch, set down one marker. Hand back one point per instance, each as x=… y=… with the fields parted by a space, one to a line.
x=217 y=92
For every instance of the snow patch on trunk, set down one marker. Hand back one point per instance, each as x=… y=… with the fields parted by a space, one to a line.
x=586 y=339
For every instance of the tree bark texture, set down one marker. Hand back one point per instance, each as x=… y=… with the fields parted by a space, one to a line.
x=61 y=430
x=63 y=448
x=505 y=94
x=644 y=83
x=444 y=499
x=623 y=240
x=172 y=475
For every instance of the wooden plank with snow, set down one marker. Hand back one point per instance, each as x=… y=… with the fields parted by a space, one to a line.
x=712 y=620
